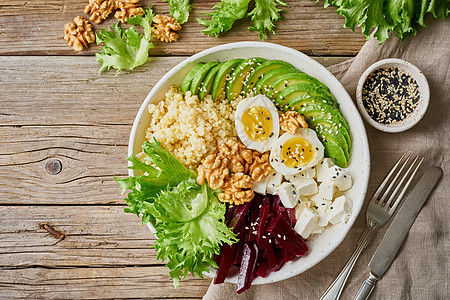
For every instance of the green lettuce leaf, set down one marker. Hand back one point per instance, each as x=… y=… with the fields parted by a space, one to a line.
x=225 y=14
x=265 y=13
x=179 y=9
x=145 y=20
x=124 y=49
x=188 y=217
x=400 y=17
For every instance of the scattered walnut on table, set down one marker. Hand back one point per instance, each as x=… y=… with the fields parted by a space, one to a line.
x=165 y=28
x=291 y=121
x=127 y=9
x=80 y=34
x=99 y=9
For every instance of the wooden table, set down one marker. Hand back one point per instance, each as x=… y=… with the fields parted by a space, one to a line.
x=64 y=134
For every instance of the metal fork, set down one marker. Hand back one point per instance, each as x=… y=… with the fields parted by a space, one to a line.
x=380 y=209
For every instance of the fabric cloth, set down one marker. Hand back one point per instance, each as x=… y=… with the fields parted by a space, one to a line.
x=420 y=270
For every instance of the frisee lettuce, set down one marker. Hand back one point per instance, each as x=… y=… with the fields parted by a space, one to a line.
x=179 y=9
x=401 y=17
x=188 y=217
x=264 y=16
x=125 y=49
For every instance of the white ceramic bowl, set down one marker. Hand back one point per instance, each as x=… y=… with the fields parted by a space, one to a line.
x=418 y=112
x=359 y=167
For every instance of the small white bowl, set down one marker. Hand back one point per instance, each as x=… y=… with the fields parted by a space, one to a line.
x=418 y=112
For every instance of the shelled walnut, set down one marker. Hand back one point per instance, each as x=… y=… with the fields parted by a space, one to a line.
x=239 y=157
x=127 y=9
x=80 y=34
x=214 y=169
x=291 y=121
x=260 y=167
x=165 y=28
x=99 y=9
x=237 y=189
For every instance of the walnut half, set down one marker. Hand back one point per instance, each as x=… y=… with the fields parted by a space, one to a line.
x=291 y=121
x=127 y=9
x=99 y=9
x=80 y=34
x=165 y=28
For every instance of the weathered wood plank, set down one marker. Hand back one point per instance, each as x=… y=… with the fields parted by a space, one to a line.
x=97 y=283
x=95 y=236
x=37 y=28
x=61 y=108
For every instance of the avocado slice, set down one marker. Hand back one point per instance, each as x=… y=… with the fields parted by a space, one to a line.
x=305 y=90
x=221 y=77
x=208 y=81
x=200 y=75
x=263 y=84
x=233 y=87
x=188 y=79
x=318 y=122
x=332 y=148
x=287 y=80
x=260 y=71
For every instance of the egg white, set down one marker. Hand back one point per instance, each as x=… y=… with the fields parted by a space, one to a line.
x=248 y=103
x=275 y=152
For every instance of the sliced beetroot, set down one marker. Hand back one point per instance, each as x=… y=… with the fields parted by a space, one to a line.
x=291 y=215
x=224 y=262
x=287 y=255
x=286 y=236
x=269 y=254
x=253 y=219
x=263 y=269
x=242 y=236
x=276 y=201
x=261 y=227
x=266 y=200
x=248 y=265
x=239 y=217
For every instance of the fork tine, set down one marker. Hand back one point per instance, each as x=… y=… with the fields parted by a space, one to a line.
x=388 y=177
x=396 y=202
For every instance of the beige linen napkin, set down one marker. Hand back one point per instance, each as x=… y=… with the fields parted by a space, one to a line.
x=420 y=270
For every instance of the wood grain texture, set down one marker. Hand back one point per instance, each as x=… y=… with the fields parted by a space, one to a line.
x=61 y=108
x=36 y=27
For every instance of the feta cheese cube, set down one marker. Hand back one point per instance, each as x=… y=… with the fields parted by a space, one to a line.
x=321 y=203
x=260 y=186
x=340 y=207
x=299 y=209
x=322 y=169
x=308 y=173
x=288 y=194
x=292 y=178
x=326 y=190
x=318 y=230
x=305 y=187
x=323 y=219
x=343 y=181
x=306 y=222
x=273 y=182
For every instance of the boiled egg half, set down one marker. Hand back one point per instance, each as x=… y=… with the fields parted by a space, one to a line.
x=257 y=123
x=293 y=153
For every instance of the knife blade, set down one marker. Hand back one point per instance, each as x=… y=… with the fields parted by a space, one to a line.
x=398 y=230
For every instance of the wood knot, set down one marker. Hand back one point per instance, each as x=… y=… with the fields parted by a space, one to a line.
x=53 y=166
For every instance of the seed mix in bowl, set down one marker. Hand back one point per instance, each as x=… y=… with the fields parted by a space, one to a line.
x=390 y=95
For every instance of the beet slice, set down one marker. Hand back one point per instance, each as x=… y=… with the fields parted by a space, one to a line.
x=239 y=217
x=246 y=270
x=287 y=237
x=253 y=219
x=276 y=201
x=242 y=236
x=270 y=255
x=261 y=228
x=263 y=269
x=224 y=262
x=266 y=200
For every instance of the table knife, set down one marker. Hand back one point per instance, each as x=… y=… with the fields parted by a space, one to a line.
x=398 y=230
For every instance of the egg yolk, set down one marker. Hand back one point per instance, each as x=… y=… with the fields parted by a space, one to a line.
x=257 y=123
x=297 y=152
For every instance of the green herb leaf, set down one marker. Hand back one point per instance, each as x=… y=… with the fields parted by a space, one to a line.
x=179 y=9
x=225 y=14
x=264 y=15
x=124 y=49
x=145 y=20
x=188 y=217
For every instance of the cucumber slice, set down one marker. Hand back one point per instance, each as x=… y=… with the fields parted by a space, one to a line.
x=185 y=85
x=225 y=70
x=208 y=81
